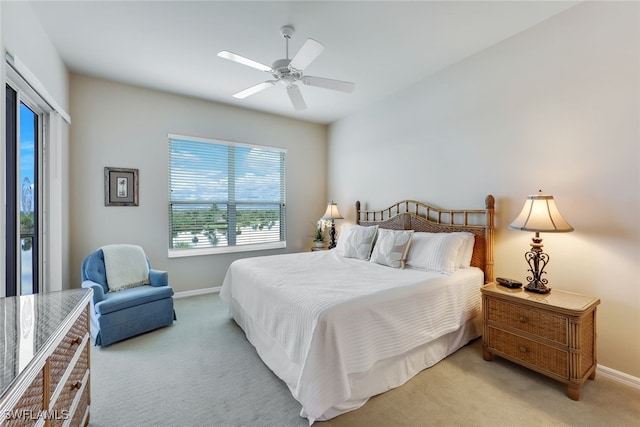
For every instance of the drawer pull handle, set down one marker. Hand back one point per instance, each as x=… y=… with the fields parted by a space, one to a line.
x=76 y=385
x=522 y=349
x=77 y=341
x=523 y=319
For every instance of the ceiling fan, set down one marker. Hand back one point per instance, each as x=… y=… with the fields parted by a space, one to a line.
x=289 y=71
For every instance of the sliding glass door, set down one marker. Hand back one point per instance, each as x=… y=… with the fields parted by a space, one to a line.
x=24 y=131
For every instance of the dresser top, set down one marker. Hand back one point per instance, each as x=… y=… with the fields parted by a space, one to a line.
x=28 y=324
x=557 y=299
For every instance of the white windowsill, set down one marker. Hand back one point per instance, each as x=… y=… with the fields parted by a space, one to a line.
x=179 y=253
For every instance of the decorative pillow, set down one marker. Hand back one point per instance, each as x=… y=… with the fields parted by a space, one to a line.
x=343 y=236
x=391 y=247
x=435 y=251
x=360 y=241
x=466 y=251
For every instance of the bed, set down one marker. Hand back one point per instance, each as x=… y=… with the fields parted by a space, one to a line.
x=342 y=325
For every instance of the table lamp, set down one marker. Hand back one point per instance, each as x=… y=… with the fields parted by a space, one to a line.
x=539 y=215
x=332 y=213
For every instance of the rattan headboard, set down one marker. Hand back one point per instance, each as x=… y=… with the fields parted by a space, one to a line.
x=413 y=215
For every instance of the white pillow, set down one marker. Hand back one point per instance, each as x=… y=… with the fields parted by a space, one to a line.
x=466 y=251
x=343 y=236
x=391 y=247
x=359 y=242
x=435 y=251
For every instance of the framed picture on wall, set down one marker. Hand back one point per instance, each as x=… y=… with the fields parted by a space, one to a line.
x=120 y=187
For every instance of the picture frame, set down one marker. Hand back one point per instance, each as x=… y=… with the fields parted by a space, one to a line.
x=120 y=187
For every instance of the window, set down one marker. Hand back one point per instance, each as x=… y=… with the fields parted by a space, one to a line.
x=225 y=196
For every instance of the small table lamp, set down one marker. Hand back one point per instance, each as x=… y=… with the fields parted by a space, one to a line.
x=332 y=213
x=539 y=214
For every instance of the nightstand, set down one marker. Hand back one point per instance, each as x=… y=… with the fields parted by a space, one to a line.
x=553 y=334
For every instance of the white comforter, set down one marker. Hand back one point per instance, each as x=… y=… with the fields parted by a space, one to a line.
x=316 y=318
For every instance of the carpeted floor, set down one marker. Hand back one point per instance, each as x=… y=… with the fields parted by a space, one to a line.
x=202 y=372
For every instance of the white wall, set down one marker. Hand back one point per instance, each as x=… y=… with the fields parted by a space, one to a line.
x=24 y=37
x=555 y=108
x=124 y=126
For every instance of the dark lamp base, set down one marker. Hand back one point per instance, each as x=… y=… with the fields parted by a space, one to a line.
x=332 y=234
x=537 y=288
x=537 y=260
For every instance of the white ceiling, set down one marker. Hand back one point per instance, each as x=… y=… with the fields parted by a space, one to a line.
x=383 y=47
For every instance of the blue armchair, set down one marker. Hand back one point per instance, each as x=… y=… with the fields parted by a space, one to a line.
x=116 y=316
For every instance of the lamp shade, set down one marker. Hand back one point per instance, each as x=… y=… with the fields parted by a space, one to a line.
x=540 y=214
x=332 y=212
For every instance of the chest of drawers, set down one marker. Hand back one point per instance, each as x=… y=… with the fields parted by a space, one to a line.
x=553 y=334
x=45 y=344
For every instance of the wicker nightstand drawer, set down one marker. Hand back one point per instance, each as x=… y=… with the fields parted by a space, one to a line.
x=553 y=334
x=550 y=359
x=536 y=322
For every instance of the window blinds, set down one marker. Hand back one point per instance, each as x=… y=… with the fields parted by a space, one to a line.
x=225 y=195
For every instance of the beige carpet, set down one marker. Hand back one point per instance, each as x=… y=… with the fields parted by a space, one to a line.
x=202 y=372
x=465 y=390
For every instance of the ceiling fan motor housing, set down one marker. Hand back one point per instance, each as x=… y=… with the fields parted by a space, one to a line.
x=283 y=73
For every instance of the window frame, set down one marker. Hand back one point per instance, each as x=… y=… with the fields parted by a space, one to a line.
x=187 y=252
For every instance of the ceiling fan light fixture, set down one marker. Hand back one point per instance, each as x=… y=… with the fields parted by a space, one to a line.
x=287 y=80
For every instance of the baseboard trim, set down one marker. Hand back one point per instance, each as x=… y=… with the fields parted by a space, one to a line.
x=196 y=292
x=619 y=377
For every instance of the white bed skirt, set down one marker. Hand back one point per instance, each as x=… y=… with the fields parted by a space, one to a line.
x=384 y=375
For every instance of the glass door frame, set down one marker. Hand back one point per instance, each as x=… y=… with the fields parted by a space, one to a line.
x=14 y=237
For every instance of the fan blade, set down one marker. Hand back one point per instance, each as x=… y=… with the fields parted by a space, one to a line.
x=307 y=53
x=242 y=60
x=296 y=98
x=329 y=83
x=254 y=89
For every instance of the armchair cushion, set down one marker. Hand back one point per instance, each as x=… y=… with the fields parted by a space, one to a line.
x=115 y=301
